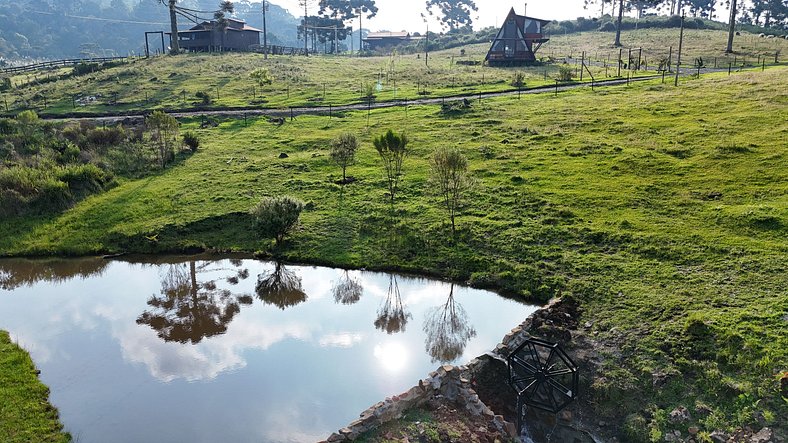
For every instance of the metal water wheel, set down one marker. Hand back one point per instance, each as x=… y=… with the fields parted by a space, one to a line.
x=543 y=376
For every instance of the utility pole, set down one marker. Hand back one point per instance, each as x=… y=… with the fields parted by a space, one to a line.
x=336 y=40
x=306 y=35
x=265 y=31
x=619 y=23
x=731 y=28
x=678 y=57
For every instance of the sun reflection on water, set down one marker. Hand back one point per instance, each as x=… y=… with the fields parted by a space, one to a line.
x=392 y=356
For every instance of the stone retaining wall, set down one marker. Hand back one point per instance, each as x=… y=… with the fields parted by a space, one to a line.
x=449 y=382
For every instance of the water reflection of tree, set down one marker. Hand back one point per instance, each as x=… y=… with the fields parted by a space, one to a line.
x=188 y=309
x=280 y=287
x=347 y=290
x=448 y=330
x=24 y=272
x=392 y=316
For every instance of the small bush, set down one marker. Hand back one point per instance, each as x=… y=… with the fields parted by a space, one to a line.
x=105 y=137
x=191 y=141
x=277 y=216
x=85 y=68
x=565 y=73
x=84 y=179
x=518 y=80
x=607 y=27
x=5 y=84
x=204 y=97
x=7 y=126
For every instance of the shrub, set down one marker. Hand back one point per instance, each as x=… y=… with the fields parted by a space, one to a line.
x=67 y=152
x=105 y=137
x=7 y=126
x=262 y=76
x=205 y=98
x=565 y=73
x=85 y=68
x=277 y=216
x=5 y=84
x=191 y=141
x=24 y=189
x=518 y=80
x=84 y=179
x=608 y=27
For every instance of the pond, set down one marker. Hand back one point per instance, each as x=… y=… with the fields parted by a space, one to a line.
x=194 y=349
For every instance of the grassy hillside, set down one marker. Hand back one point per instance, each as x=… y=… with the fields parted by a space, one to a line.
x=706 y=43
x=668 y=222
x=25 y=415
x=173 y=83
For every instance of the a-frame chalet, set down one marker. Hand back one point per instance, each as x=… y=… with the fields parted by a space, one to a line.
x=517 y=41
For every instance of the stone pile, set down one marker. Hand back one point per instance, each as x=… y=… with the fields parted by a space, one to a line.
x=447 y=382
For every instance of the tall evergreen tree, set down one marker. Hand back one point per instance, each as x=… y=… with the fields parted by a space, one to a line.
x=454 y=13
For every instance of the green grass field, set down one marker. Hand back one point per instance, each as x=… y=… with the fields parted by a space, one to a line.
x=25 y=414
x=171 y=83
x=663 y=210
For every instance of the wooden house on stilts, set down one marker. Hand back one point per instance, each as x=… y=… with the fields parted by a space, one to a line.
x=517 y=41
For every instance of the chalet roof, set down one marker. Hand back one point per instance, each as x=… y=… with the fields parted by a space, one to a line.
x=522 y=18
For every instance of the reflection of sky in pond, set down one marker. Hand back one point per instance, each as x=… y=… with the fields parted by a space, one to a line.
x=275 y=375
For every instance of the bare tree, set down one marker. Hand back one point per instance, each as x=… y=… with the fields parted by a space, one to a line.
x=449 y=175
x=343 y=152
x=164 y=130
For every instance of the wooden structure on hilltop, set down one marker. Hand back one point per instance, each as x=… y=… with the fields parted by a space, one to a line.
x=382 y=40
x=517 y=41
x=208 y=36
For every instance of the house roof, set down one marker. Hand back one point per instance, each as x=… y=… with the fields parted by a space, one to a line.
x=388 y=35
x=522 y=18
x=205 y=26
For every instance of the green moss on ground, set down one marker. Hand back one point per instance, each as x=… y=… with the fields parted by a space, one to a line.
x=25 y=412
x=663 y=210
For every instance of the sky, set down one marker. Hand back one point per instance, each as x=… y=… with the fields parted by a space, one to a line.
x=406 y=14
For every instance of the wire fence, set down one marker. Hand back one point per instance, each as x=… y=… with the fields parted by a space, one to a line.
x=57 y=64
x=592 y=67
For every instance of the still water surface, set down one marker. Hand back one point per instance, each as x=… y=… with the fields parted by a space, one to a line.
x=234 y=350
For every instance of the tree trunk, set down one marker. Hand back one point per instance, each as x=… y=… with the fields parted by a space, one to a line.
x=360 y=34
x=618 y=22
x=731 y=28
x=174 y=45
